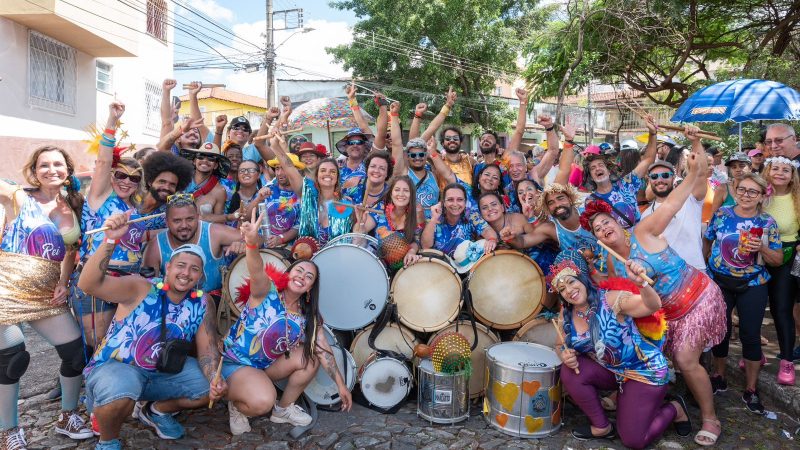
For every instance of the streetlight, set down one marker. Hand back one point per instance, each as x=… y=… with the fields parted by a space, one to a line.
x=302 y=31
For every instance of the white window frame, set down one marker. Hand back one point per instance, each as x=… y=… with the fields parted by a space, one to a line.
x=109 y=89
x=52 y=74
x=152 y=108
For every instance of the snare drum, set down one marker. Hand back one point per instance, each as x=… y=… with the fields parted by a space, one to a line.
x=385 y=382
x=353 y=283
x=427 y=294
x=237 y=273
x=539 y=331
x=323 y=390
x=396 y=338
x=523 y=396
x=486 y=338
x=441 y=397
x=507 y=289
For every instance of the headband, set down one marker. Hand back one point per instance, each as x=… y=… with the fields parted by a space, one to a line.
x=592 y=209
x=560 y=270
x=782 y=160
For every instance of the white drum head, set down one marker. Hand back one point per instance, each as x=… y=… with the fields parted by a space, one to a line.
x=427 y=295
x=238 y=273
x=322 y=389
x=539 y=331
x=518 y=354
x=385 y=382
x=353 y=286
x=393 y=337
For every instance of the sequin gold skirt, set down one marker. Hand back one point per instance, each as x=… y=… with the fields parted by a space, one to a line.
x=27 y=284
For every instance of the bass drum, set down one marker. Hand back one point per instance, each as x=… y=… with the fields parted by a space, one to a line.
x=539 y=331
x=507 y=289
x=237 y=274
x=396 y=338
x=353 y=283
x=486 y=338
x=385 y=382
x=427 y=294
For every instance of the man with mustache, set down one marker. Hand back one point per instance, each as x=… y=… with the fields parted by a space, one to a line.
x=684 y=230
x=164 y=175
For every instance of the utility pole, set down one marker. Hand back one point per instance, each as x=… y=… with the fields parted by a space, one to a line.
x=269 y=53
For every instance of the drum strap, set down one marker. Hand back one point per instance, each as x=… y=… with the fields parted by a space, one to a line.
x=389 y=313
x=471 y=313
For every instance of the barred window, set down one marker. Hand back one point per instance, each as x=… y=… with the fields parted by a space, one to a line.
x=52 y=72
x=157 y=19
x=152 y=108
x=104 y=77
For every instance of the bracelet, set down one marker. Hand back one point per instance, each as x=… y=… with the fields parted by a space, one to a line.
x=110 y=131
x=394 y=114
x=218 y=133
x=644 y=283
x=569 y=141
x=249 y=246
x=355 y=107
x=435 y=155
x=445 y=110
x=550 y=129
x=418 y=115
x=491 y=239
x=568 y=145
x=592 y=271
x=112 y=241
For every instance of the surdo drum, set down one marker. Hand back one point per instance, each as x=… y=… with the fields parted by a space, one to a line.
x=237 y=273
x=385 y=381
x=539 y=331
x=396 y=338
x=427 y=294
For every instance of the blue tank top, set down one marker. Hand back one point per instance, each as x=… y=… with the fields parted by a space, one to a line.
x=130 y=248
x=578 y=240
x=33 y=233
x=211 y=271
x=136 y=339
x=262 y=334
x=427 y=191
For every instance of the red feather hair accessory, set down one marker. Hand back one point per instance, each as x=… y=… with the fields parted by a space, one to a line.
x=653 y=326
x=592 y=209
x=278 y=277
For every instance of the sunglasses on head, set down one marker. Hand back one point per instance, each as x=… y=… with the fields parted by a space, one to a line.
x=662 y=175
x=417 y=155
x=356 y=142
x=119 y=176
x=180 y=197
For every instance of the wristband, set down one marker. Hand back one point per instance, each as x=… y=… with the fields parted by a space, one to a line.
x=112 y=241
x=218 y=133
x=569 y=141
x=644 y=283
x=354 y=107
x=568 y=145
x=592 y=271
x=110 y=131
x=251 y=247
x=491 y=239
x=418 y=115
x=394 y=114
x=550 y=129
x=445 y=110
x=435 y=155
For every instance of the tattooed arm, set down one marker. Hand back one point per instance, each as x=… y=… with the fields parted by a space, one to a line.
x=123 y=290
x=328 y=363
x=207 y=351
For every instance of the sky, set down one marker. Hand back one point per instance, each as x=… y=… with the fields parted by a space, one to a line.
x=247 y=20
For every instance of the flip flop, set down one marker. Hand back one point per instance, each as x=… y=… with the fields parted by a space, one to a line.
x=683 y=428
x=712 y=438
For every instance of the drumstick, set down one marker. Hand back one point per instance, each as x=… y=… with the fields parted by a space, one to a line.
x=372 y=210
x=625 y=261
x=703 y=134
x=216 y=380
x=138 y=219
x=560 y=335
x=269 y=135
x=205 y=85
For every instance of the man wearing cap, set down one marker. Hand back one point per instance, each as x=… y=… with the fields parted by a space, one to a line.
x=738 y=164
x=354 y=147
x=311 y=154
x=185 y=227
x=683 y=233
x=781 y=140
x=283 y=207
x=756 y=159
x=210 y=167
x=129 y=365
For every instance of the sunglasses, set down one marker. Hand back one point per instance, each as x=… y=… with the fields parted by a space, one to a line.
x=248 y=170
x=241 y=128
x=356 y=142
x=202 y=157
x=119 y=176
x=452 y=138
x=181 y=197
x=662 y=175
x=417 y=155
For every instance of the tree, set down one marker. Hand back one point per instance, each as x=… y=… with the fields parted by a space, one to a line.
x=413 y=51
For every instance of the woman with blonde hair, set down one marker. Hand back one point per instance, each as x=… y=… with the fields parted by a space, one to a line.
x=783 y=204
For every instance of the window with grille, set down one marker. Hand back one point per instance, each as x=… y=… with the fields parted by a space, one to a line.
x=52 y=73
x=152 y=108
x=104 y=77
x=157 y=19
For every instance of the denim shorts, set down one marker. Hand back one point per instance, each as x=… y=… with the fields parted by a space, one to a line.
x=114 y=380
x=229 y=367
x=83 y=304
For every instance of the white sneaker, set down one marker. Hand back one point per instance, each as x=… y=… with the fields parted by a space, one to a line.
x=13 y=439
x=137 y=408
x=238 y=421
x=292 y=414
x=71 y=424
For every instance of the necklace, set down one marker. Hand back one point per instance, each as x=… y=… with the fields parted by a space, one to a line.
x=585 y=314
x=286 y=324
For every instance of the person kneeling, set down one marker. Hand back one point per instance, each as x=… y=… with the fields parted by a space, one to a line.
x=144 y=354
x=264 y=345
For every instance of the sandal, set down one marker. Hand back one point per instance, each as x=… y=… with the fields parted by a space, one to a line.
x=712 y=438
x=684 y=427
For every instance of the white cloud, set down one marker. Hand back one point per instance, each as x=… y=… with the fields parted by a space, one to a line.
x=210 y=8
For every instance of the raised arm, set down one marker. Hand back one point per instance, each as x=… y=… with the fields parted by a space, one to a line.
x=400 y=161
x=419 y=111
x=539 y=171
x=567 y=156
x=167 y=124
x=219 y=128
x=194 y=108
x=439 y=167
x=259 y=281
x=262 y=145
x=168 y=140
x=281 y=152
x=449 y=101
x=100 y=188
x=522 y=120
x=649 y=155
x=357 y=115
x=286 y=111
x=635 y=305
x=382 y=122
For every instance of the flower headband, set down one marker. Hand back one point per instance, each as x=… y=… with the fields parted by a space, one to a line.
x=782 y=160
x=593 y=208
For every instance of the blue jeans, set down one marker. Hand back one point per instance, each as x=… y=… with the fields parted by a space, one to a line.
x=114 y=380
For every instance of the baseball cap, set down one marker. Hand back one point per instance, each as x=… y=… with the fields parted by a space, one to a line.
x=661 y=163
x=738 y=157
x=754 y=152
x=190 y=248
x=240 y=120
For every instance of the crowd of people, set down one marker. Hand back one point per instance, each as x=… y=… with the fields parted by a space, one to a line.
x=649 y=250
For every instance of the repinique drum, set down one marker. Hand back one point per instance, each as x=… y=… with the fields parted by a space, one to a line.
x=427 y=294
x=539 y=331
x=486 y=338
x=396 y=338
x=353 y=283
x=441 y=398
x=322 y=389
x=237 y=273
x=523 y=396
x=385 y=382
x=507 y=289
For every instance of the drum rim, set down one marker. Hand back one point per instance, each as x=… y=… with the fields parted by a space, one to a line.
x=402 y=328
x=518 y=368
x=373 y=358
x=335 y=241
x=509 y=326
x=527 y=327
x=449 y=319
x=478 y=393
x=229 y=272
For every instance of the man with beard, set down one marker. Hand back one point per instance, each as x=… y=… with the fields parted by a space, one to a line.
x=354 y=147
x=459 y=162
x=283 y=205
x=185 y=227
x=683 y=233
x=210 y=167
x=164 y=175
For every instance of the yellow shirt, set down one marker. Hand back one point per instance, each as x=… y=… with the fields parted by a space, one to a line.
x=781 y=208
x=462 y=169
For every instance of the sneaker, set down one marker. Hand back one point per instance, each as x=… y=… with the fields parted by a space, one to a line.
x=763 y=362
x=752 y=401
x=165 y=425
x=718 y=384
x=13 y=439
x=292 y=414
x=55 y=393
x=95 y=425
x=71 y=424
x=796 y=354
x=137 y=408
x=786 y=373
x=113 y=444
x=238 y=421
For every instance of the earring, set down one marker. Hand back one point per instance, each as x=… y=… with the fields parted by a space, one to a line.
x=627 y=238
x=308 y=298
x=197 y=293
x=163 y=286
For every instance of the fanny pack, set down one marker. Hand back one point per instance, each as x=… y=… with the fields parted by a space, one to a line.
x=788 y=251
x=736 y=285
x=173 y=353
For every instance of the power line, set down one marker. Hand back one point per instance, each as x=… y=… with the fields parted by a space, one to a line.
x=215 y=24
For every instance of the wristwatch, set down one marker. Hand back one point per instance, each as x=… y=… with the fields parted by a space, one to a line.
x=280 y=237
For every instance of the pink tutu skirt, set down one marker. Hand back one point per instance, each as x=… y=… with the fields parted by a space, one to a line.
x=702 y=327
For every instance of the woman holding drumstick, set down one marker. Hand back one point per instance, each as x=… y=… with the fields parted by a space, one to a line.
x=691 y=302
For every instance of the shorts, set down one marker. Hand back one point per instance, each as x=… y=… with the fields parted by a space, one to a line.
x=83 y=304
x=229 y=367
x=114 y=380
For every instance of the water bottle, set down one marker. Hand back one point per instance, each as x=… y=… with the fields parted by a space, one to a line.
x=264 y=230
